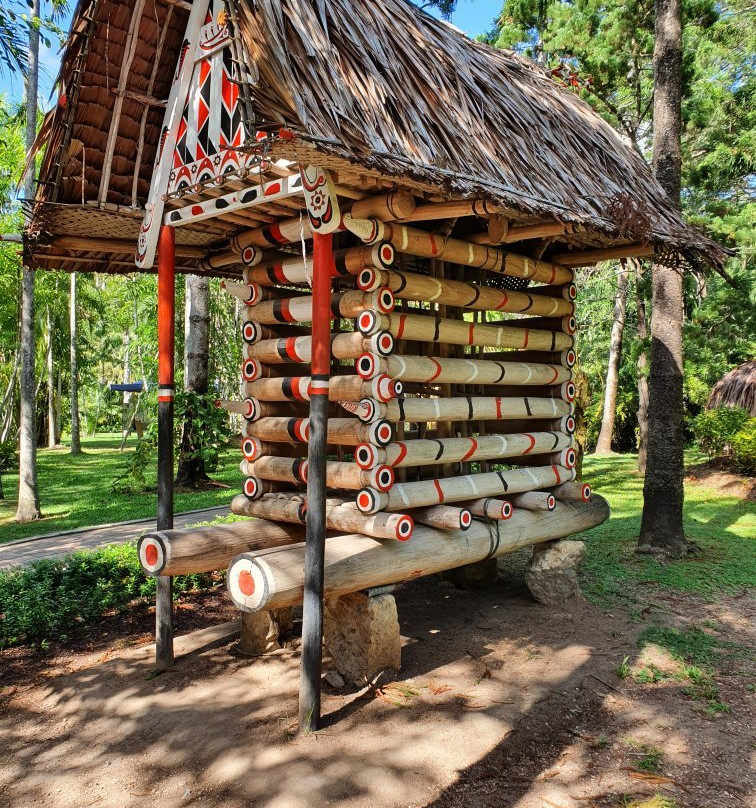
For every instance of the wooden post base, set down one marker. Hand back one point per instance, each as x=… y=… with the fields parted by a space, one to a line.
x=479 y=575
x=551 y=574
x=261 y=632
x=361 y=633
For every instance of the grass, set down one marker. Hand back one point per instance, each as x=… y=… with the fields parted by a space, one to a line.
x=75 y=491
x=723 y=528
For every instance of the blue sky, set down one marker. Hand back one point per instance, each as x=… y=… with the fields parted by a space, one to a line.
x=472 y=16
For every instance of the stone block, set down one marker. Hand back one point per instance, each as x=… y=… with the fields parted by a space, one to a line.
x=551 y=574
x=261 y=632
x=361 y=633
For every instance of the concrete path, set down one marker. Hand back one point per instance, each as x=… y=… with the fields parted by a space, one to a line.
x=52 y=545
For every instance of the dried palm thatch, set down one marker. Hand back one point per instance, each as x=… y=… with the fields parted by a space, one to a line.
x=372 y=89
x=736 y=389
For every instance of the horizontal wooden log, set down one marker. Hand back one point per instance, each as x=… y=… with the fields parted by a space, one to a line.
x=350 y=345
x=254 y=448
x=348 y=476
x=584 y=258
x=564 y=424
x=411 y=286
x=533 y=500
x=566 y=457
x=210 y=547
x=572 y=492
x=253 y=332
x=339 y=514
x=566 y=358
x=499 y=231
x=567 y=291
x=285 y=270
x=423 y=328
x=254 y=487
x=567 y=324
x=299 y=309
x=252 y=369
x=341 y=431
x=458 y=489
x=452 y=450
x=340 y=388
x=468 y=408
x=115 y=246
x=397 y=204
x=251 y=409
x=451 y=209
x=460 y=371
x=489 y=508
x=411 y=241
x=566 y=390
x=275 y=579
x=443 y=517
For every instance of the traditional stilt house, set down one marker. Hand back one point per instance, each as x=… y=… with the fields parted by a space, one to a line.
x=401 y=210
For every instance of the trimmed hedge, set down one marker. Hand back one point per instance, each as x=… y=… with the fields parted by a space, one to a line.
x=43 y=600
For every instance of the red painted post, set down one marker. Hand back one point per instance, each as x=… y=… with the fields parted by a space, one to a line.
x=323 y=270
x=166 y=351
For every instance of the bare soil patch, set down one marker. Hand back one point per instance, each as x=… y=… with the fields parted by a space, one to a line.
x=716 y=475
x=500 y=702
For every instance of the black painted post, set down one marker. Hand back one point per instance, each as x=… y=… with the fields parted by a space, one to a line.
x=166 y=347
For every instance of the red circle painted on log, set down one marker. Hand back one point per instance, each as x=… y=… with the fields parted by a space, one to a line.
x=246 y=583
x=151 y=555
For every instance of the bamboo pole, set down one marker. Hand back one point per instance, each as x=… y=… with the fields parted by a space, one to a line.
x=533 y=501
x=251 y=409
x=397 y=204
x=457 y=489
x=411 y=286
x=452 y=209
x=274 y=579
x=435 y=329
x=341 y=388
x=299 y=309
x=460 y=450
x=340 y=515
x=490 y=508
x=583 y=258
x=433 y=245
x=567 y=324
x=209 y=547
x=459 y=371
x=572 y=492
x=253 y=332
x=566 y=457
x=349 y=345
x=469 y=408
x=565 y=424
x=566 y=358
x=443 y=517
x=344 y=475
x=567 y=291
x=341 y=431
x=254 y=448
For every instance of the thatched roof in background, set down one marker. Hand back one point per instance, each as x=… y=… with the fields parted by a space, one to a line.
x=736 y=389
x=375 y=88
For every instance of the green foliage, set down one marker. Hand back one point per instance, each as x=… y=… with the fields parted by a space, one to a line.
x=45 y=599
x=744 y=447
x=209 y=431
x=692 y=646
x=8 y=456
x=715 y=429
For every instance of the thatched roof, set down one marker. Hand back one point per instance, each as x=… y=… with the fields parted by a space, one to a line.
x=736 y=389
x=371 y=89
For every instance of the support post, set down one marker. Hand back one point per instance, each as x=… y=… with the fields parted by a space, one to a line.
x=166 y=344
x=312 y=606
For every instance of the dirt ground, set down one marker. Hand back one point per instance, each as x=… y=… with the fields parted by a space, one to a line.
x=500 y=702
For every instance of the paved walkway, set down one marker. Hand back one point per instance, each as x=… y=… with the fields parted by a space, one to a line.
x=59 y=544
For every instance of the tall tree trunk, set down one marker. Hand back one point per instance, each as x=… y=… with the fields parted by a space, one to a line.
x=28 y=492
x=604 y=443
x=191 y=470
x=75 y=427
x=51 y=436
x=642 y=368
x=662 y=522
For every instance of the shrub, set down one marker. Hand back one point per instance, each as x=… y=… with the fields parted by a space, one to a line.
x=41 y=601
x=8 y=456
x=744 y=447
x=715 y=429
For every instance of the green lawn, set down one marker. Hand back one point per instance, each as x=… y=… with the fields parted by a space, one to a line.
x=723 y=528
x=76 y=491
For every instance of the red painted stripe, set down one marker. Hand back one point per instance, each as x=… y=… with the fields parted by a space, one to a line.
x=556 y=474
x=402 y=454
x=527 y=338
x=471 y=335
x=498 y=408
x=434 y=247
x=400 y=330
x=278 y=271
x=275 y=233
x=438 y=370
x=553 y=273
x=504 y=301
x=165 y=398
x=286 y=312
x=438 y=489
x=273 y=188
x=291 y=351
x=473 y=449
x=554 y=377
x=532 y=443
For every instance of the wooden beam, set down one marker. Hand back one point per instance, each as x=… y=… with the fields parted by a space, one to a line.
x=114 y=245
x=128 y=57
x=451 y=210
x=585 y=258
x=144 y=98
